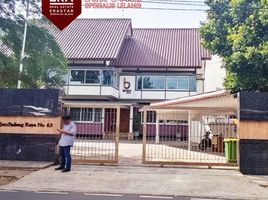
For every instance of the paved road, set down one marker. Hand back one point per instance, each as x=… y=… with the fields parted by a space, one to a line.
x=7 y=195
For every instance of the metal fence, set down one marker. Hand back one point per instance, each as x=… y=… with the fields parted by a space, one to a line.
x=97 y=138
x=186 y=137
x=177 y=137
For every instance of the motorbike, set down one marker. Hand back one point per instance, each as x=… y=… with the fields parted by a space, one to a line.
x=206 y=142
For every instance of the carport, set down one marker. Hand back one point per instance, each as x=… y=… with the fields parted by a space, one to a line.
x=201 y=122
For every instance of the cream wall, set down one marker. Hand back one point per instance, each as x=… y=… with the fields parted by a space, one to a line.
x=214 y=74
x=89 y=90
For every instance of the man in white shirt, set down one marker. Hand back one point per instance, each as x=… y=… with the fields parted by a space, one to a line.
x=68 y=133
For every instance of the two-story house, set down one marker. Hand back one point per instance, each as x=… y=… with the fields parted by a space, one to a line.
x=111 y=64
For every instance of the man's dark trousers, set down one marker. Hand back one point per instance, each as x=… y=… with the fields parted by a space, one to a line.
x=65 y=157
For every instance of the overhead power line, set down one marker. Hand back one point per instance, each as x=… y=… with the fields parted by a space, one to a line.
x=175 y=9
x=173 y=3
x=187 y=9
x=182 y=1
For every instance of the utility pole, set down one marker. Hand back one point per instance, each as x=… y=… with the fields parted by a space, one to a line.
x=23 y=43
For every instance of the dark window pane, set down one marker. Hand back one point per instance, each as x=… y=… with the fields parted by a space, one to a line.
x=139 y=82
x=107 y=77
x=75 y=114
x=97 y=114
x=93 y=76
x=151 y=117
x=148 y=83
x=77 y=76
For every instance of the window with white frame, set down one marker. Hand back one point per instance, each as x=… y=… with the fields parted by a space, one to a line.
x=104 y=77
x=150 y=82
x=86 y=114
x=154 y=82
x=179 y=83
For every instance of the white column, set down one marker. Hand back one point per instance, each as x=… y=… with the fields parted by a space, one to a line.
x=117 y=133
x=103 y=121
x=157 y=129
x=144 y=136
x=189 y=130
x=131 y=119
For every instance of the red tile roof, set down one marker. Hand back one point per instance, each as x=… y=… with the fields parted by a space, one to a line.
x=162 y=48
x=98 y=39
x=106 y=39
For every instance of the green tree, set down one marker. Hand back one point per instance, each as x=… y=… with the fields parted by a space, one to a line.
x=237 y=30
x=13 y=8
x=44 y=62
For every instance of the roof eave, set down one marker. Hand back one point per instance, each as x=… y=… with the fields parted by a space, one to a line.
x=194 y=98
x=154 y=66
x=92 y=59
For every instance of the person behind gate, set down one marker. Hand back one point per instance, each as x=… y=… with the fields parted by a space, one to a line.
x=68 y=133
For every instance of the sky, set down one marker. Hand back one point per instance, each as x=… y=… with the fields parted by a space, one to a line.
x=142 y=18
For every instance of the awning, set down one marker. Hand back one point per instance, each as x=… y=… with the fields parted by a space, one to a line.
x=216 y=102
x=93 y=104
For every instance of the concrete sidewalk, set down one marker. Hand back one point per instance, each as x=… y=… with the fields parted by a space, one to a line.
x=11 y=171
x=260 y=180
x=29 y=165
x=144 y=180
